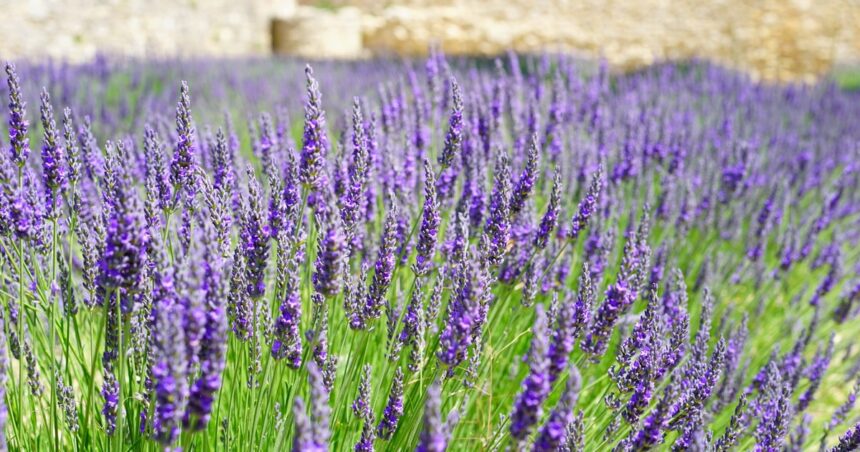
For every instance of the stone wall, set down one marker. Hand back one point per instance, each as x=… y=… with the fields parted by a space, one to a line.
x=771 y=39
x=78 y=29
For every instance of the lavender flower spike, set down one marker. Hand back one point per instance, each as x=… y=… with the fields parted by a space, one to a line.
x=430 y=221
x=320 y=411
x=776 y=412
x=554 y=431
x=182 y=166
x=213 y=349
x=110 y=393
x=454 y=136
x=536 y=386
x=498 y=225
x=329 y=266
x=126 y=241
x=352 y=198
x=288 y=339
x=525 y=184
x=368 y=435
x=19 y=144
x=394 y=408
x=550 y=219
x=568 y=324
x=254 y=238
x=315 y=144
x=169 y=373
x=304 y=440
x=361 y=405
x=849 y=441
x=384 y=268
x=54 y=169
x=618 y=298
x=434 y=437
x=587 y=205
x=464 y=316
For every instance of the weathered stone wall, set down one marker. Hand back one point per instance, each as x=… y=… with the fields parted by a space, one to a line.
x=314 y=33
x=772 y=39
x=78 y=29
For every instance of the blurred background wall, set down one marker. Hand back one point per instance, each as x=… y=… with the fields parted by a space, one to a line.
x=79 y=29
x=770 y=39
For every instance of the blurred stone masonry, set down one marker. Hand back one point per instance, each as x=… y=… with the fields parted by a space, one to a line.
x=77 y=30
x=771 y=39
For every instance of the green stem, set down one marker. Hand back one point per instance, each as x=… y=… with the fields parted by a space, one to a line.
x=21 y=319
x=53 y=334
x=91 y=390
x=120 y=373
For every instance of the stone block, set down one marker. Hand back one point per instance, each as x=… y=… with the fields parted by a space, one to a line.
x=319 y=33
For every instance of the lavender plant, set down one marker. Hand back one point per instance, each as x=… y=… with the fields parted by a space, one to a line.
x=458 y=258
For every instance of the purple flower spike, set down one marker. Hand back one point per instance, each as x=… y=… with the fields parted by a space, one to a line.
x=156 y=167
x=430 y=221
x=525 y=184
x=536 y=387
x=413 y=319
x=553 y=433
x=756 y=249
x=73 y=156
x=618 y=300
x=465 y=311
x=550 y=219
x=735 y=428
x=19 y=144
x=54 y=171
x=776 y=412
x=303 y=441
x=568 y=324
x=361 y=405
x=434 y=435
x=587 y=205
x=331 y=260
x=169 y=372
x=368 y=435
x=288 y=339
x=393 y=409
x=454 y=136
x=182 y=166
x=254 y=238
x=353 y=197
x=383 y=269
x=815 y=372
x=498 y=227
x=110 y=393
x=830 y=279
x=320 y=410
x=315 y=138
x=213 y=348
x=849 y=441
x=126 y=240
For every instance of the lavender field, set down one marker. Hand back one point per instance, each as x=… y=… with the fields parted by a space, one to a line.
x=527 y=253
